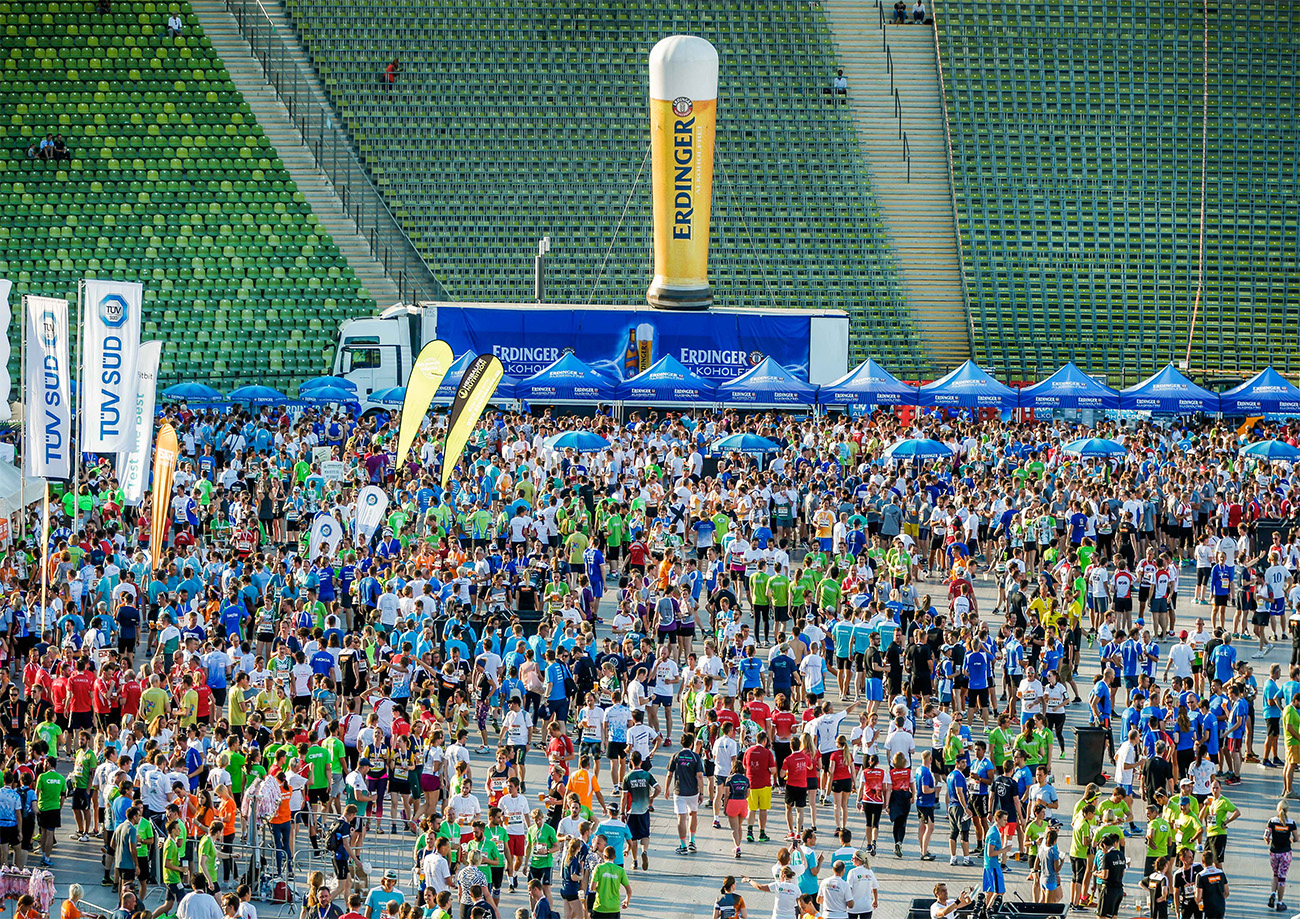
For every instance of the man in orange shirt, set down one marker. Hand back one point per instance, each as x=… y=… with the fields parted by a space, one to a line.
x=584 y=784
x=280 y=820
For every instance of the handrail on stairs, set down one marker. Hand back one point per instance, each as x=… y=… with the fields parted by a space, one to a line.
x=947 y=137
x=334 y=155
x=907 y=157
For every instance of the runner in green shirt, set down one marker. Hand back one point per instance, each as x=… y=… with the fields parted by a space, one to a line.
x=828 y=594
x=609 y=880
x=540 y=842
x=1158 y=833
x=758 y=588
x=778 y=589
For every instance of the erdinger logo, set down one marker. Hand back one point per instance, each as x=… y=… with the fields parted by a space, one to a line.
x=682 y=106
x=49 y=331
x=755 y=358
x=113 y=311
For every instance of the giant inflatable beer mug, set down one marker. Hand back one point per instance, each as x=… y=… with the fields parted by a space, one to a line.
x=683 y=112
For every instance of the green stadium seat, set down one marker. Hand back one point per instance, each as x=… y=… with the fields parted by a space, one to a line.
x=170 y=184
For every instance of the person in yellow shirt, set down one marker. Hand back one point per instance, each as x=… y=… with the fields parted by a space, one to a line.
x=824 y=522
x=188 y=713
x=237 y=704
x=584 y=784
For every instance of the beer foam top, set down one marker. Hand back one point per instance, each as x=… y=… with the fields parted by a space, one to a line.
x=683 y=65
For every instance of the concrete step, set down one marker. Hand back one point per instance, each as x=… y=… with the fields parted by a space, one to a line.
x=918 y=214
x=223 y=32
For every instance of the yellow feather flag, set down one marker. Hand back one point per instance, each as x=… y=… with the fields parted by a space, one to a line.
x=165 y=451
x=476 y=387
x=421 y=386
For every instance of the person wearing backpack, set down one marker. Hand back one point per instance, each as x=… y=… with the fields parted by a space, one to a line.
x=343 y=843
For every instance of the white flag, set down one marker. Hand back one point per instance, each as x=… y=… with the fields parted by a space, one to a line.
x=46 y=405
x=6 y=317
x=111 y=345
x=133 y=465
x=326 y=534
x=371 y=504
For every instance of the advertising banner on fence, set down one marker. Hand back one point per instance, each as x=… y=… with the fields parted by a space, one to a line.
x=427 y=373
x=133 y=465
x=476 y=386
x=47 y=402
x=110 y=348
x=372 y=501
x=715 y=345
x=166 y=449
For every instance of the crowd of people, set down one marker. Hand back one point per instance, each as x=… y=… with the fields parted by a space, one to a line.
x=506 y=678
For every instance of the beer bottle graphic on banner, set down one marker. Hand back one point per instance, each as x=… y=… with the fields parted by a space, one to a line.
x=631 y=356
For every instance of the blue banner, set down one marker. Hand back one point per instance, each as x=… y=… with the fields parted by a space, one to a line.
x=620 y=343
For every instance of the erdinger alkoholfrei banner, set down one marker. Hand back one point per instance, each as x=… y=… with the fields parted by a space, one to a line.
x=110 y=348
x=133 y=465
x=166 y=449
x=426 y=374
x=683 y=116
x=372 y=501
x=47 y=400
x=477 y=385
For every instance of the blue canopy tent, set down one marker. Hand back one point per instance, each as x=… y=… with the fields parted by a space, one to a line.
x=319 y=382
x=744 y=443
x=1094 y=448
x=329 y=395
x=566 y=380
x=1069 y=387
x=667 y=380
x=1267 y=392
x=192 y=392
x=767 y=383
x=1272 y=450
x=969 y=386
x=867 y=384
x=581 y=441
x=258 y=395
x=1168 y=391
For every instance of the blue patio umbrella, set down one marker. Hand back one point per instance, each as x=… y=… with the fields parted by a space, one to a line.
x=917 y=448
x=393 y=395
x=320 y=382
x=192 y=392
x=328 y=395
x=1094 y=448
x=258 y=395
x=1272 y=450
x=745 y=443
x=582 y=441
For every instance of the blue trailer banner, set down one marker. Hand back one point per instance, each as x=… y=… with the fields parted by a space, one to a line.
x=620 y=343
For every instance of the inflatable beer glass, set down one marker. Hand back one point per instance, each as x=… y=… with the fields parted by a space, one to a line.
x=683 y=111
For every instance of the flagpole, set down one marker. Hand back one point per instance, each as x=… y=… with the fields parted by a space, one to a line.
x=45 y=542
x=81 y=394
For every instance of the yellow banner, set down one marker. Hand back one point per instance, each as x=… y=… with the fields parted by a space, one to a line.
x=165 y=452
x=426 y=376
x=681 y=168
x=476 y=387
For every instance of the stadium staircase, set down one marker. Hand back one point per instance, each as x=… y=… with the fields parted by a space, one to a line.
x=220 y=27
x=171 y=182
x=894 y=95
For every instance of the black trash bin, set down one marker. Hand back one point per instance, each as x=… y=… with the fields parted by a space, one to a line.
x=1089 y=755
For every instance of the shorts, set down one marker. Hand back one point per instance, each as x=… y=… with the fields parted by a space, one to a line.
x=1274 y=726
x=686 y=804
x=875 y=691
x=1078 y=868
x=925 y=813
x=737 y=807
x=11 y=836
x=796 y=797
x=540 y=874
x=1112 y=898
x=977 y=697
x=1159 y=605
x=80 y=799
x=959 y=822
x=320 y=795
x=1259 y=617
x=979 y=805
x=760 y=799
x=341 y=868
x=49 y=820
x=82 y=721
x=638 y=826
x=516 y=845
x=842 y=785
x=617 y=749
x=1123 y=604
x=1231 y=744
x=1202 y=576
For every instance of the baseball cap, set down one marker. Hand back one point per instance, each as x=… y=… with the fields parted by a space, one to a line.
x=390 y=875
x=1182 y=634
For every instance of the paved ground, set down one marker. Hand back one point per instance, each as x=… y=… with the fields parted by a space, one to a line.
x=686 y=886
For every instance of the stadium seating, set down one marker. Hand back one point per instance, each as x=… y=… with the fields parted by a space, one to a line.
x=170 y=183
x=516 y=119
x=1077 y=131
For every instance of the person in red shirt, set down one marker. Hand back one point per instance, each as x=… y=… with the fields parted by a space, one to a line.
x=103 y=696
x=783 y=725
x=841 y=770
x=760 y=769
x=871 y=796
x=727 y=712
x=35 y=674
x=80 y=698
x=759 y=711
x=59 y=694
x=130 y=697
x=795 y=772
x=559 y=748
